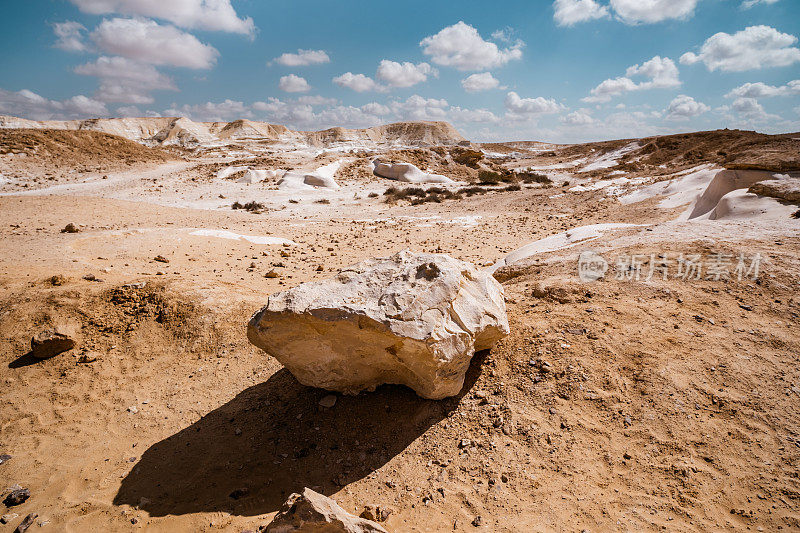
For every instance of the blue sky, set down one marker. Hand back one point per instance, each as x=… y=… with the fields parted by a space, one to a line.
x=564 y=71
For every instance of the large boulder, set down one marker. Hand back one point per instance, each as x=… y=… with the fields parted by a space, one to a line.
x=410 y=319
x=406 y=172
x=311 y=512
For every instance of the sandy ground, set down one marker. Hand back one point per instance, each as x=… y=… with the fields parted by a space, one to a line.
x=618 y=405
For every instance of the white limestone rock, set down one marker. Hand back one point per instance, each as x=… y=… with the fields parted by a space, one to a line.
x=312 y=512
x=410 y=319
x=406 y=172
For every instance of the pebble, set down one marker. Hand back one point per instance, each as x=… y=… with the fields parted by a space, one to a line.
x=4 y=458
x=132 y=409
x=328 y=401
x=25 y=524
x=6 y=518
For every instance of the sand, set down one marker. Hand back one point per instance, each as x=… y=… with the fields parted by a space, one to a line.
x=667 y=404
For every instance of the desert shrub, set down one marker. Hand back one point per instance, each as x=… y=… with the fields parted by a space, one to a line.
x=372 y=195
x=324 y=201
x=252 y=206
x=472 y=191
x=514 y=187
x=467 y=157
x=534 y=177
x=489 y=177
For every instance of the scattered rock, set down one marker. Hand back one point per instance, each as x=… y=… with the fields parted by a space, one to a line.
x=477 y=521
x=6 y=518
x=17 y=497
x=328 y=401
x=4 y=458
x=133 y=410
x=25 y=524
x=313 y=512
x=52 y=342
x=70 y=228
x=746 y=307
x=161 y=259
x=376 y=513
x=411 y=319
x=88 y=357
x=271 y=274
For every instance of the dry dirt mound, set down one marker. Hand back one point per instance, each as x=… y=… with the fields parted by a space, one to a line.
x=75 y=148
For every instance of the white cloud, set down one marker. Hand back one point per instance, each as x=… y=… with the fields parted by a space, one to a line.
x=28 y=104
x=570 y=12
x=751 y=110
x=524 y=107
x=461 y=46
x=652 y=11
x=404 y=74
x=70 y=36
x=762 y=90
x=480 y=82
x=215 y=15
x=578 y=118
x=661 y=73
x=317 y=100
x=747 y=4
x=212 y=111
x=124 y=80
x=483 y=116
x=357 y=82
x=303 y=58
x=418 y=108
x=754 y=47
x=149 y=42
x=293 y=84
x=288 y=113
x=375 y=108
x=684 y=108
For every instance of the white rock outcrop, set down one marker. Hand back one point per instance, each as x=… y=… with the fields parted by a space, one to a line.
x=410 y=319
x=313 y=512
x=406 y=172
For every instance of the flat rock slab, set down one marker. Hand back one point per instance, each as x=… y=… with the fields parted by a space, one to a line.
x=410 y=319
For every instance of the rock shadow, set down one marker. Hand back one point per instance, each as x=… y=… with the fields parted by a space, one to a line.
x=248 y=455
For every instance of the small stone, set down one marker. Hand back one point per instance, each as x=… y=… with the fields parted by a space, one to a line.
x=161 y=259
x=132 y=409
x=464 y=443
x=328 y=401
x=376 y=513
x=4 y=458
x=504 y=478
x=89 y=357
x=271 y=274
x=70 y=228
x=51 y=342
x=17 y=497
x=628 y=422
x=90 y=277
x=477 y=521
x=58 y=280
x=6 y=518
x=320 y=268
x=746 y=307
x=25 y=524
x=311 y=511
x=161 y=273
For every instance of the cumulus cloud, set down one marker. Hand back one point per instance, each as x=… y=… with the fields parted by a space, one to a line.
x=461 y=46
x=124 y=80
x=296 y=114
x=403 y=74
x=684 y=108
x=481 y=116
x=661 y=73
x=754 y=47
x=652 y=11
x=293 y=84
x=70 y=36
x=375 y=108
x=149 y=42
x=28 y=104
x=419 y=108
x=317 y=100
x=519 y=107
x=212 y=111
x=762 y=90
x=480 y=82
x=303 y=58
x=578 y=118
x=215 y=15
x=357 y=82
x=750 y=110
x=570 y=12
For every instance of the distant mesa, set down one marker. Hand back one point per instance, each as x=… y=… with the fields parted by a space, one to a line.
x=181 y=131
